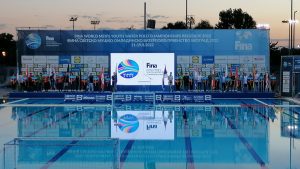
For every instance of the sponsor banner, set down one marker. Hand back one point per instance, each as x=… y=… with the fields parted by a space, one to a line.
x=42 y=65
x=27 y=59
x=259 y=59
x=54 y=65
x=208 y=59
x=286 y=78
x=133 y=98
x=102 y=59
x=78 y=65
x=206 y=69
x=77 y=60
x=296 y=64
x=40 y=59
x=62 y=69
x=64 y=59
x=221 y=59
x=88 y=98
x=75 y=69
x=233 y=59
x=183 y=59
x=88 y=69
x=89 y=59
x=39 y=69
x=196 y=59
x=182 y=98
x=52 y=59
x=92 y=65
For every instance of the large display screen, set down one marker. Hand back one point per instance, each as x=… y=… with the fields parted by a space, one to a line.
x=142 y=68
x=143 y=125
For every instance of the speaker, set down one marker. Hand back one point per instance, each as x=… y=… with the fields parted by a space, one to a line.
x=151 y=23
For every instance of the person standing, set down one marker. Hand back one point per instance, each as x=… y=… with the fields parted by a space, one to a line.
x=91 y=83
x=267 y=82
x=256 y=79
x=223 y=79
x=114 y=82
x=273 y=82
x=170 y=82
x=245 y=82
x=186 y=81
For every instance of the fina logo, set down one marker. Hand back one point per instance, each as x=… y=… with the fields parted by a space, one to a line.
x=128 y=69
x=128 y=123
x=242 y=41
x=33 y=41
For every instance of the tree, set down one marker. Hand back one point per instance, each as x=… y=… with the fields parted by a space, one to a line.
x=235 y=19
x=176 y=25
x=275 y=57
x=8 y=47
x=203 y=24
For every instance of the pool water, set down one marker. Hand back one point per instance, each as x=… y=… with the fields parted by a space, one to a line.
x=227 y=134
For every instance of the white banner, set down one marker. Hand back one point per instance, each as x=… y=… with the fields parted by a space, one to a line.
x=141 y=68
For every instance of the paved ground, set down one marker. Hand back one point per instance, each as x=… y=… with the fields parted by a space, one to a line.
x=4 y=91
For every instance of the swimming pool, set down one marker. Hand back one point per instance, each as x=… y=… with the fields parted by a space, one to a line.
x=228 y=133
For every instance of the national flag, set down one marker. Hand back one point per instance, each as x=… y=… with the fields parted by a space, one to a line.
x=26 y=73
x=236 y=72
x=230 y=70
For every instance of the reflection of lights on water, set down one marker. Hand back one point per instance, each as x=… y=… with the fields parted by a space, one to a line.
x=292 y=127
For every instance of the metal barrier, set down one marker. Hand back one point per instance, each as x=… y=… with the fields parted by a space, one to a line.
x=62 y=153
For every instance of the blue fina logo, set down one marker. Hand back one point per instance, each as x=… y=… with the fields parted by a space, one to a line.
x=128 y=69
x=128 y=123
x=33 y=41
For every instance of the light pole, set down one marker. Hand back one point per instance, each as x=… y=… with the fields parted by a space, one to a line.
x=294 y=29
x=186 y=13
x=73 y=19
x=95 y=22
x=288 y=22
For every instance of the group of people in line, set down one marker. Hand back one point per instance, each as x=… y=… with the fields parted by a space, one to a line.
x=63 y=82
x=223 y=82
x=193 y=81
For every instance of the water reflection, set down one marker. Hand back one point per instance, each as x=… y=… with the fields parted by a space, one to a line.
x=151 y=135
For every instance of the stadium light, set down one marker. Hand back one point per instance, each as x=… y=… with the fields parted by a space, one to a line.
x=95 y=22
x=262 y=26
x=73 y=19
x=3 y=53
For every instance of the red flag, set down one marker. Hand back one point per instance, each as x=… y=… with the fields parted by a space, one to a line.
x=236 y=72
x=26 y=71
